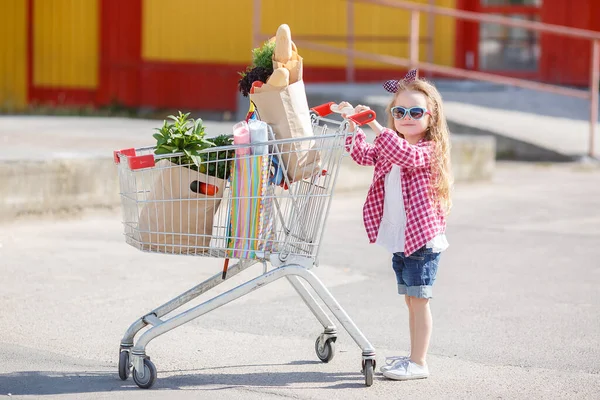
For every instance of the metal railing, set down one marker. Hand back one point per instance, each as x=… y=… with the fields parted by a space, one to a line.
x=414 y=39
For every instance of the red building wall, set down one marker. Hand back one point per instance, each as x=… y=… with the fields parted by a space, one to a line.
x=566 y=60
x=563 y=60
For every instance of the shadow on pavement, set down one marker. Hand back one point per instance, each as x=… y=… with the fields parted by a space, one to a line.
x=57 y=382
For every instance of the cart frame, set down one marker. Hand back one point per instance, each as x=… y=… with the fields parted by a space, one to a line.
x=294 y=267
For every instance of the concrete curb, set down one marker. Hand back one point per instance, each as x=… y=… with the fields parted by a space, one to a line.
x=57 y=186
x=70 y=185
x=473 y=157
x=47 y=171
x=509 y=148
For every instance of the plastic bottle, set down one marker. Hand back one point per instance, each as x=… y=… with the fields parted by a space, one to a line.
x=259 y=133
x=241 y=135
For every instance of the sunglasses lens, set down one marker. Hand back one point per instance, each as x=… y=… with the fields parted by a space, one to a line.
x=398 y=112
x=417 y=112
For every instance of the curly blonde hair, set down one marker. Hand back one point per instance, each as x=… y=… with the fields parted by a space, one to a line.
x=438 y=132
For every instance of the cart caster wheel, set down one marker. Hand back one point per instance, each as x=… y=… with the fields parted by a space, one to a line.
x=124 y=365
x=147 y=380
x=328 y=351
x=368 y=372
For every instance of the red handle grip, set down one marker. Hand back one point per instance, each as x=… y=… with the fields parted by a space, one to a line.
x=140 y=162
x=324 y=109
x=363 y=117
x=125 y=152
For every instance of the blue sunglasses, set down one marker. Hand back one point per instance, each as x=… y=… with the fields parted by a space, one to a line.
x=415 y=113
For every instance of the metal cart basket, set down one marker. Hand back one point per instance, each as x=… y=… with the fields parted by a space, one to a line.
x=237 y=203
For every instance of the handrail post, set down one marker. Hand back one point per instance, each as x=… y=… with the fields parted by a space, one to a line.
x=414 y=38
x=256 y=10
x=594 y=88
x=430 y=35
x=350 y=29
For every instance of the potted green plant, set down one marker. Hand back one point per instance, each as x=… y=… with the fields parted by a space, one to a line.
x=184 y=135
x=187 y=136
x=178 y=213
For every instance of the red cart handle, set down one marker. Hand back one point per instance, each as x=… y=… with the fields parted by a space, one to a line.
x=125 y=152
x=323 y=110
x=133 y=160
x=359 y=119
x=363 y=117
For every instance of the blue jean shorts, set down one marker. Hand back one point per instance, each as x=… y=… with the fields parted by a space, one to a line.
x=416 y=273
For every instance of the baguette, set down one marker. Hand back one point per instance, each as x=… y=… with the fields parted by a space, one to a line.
x=283 y=44
x=279 y=78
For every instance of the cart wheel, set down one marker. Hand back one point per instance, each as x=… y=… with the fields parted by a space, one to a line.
x=368 y=371
x=146 y=381
x=328 y=350
x=124 y=365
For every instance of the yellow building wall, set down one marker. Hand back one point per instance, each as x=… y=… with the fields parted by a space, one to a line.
x=221 y=31
x=389 y=21
x=328 y=17
x=197 y=30
x=13 y=54
x=65 y=43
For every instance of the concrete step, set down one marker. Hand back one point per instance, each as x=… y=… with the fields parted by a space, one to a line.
x=64 y=164
x=527 y=125
x=472 y=159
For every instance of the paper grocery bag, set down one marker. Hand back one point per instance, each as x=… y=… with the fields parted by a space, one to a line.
x=286 y=110
x=294 y=65
x=174 y=218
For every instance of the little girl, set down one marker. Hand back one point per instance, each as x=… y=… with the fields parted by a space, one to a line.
x=407 y=203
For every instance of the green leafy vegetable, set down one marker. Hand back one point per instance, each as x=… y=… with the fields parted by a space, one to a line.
x=263 y=56
x=219 y=162
x=182 y=134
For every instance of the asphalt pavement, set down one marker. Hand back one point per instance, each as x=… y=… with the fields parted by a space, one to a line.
x=516 y=305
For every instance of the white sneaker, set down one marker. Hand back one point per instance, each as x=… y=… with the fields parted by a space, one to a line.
x=406 y=370
x=391 y=361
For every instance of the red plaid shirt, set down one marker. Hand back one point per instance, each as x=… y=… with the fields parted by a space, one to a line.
x=424 y=220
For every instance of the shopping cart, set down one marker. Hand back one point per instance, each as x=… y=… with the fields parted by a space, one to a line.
x=254 y=214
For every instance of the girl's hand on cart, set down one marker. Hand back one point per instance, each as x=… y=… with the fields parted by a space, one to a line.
x=343 y=108
x=356 y=110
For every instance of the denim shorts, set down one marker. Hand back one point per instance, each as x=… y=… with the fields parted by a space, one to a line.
x=415 y=274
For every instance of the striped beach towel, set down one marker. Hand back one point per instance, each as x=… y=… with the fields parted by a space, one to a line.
x=250 y=225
